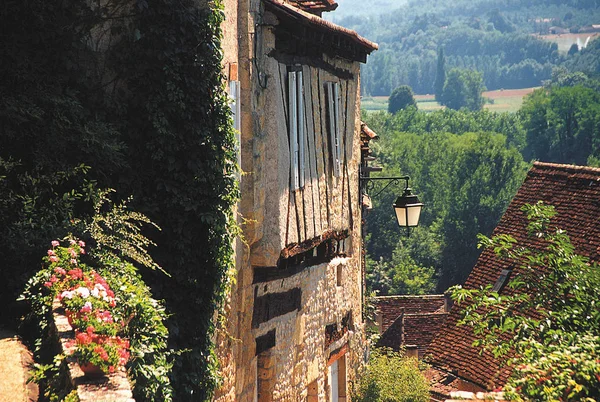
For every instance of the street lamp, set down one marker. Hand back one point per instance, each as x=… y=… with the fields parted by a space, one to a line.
x=407 y=206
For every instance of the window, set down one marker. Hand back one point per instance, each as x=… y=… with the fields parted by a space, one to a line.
x=501 y=280
x=336 y=376
x=333 y=116
x=297 y=128
x=313 y=392
x=236 y=111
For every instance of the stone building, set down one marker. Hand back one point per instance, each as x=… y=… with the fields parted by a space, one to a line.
x=294 y=327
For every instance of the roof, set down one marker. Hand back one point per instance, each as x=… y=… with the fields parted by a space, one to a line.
x=316 y=6
x=366 y=132
x=574 y=191
x=332 y=37
x=410 y=320
x=413 y=330
x=391 y=307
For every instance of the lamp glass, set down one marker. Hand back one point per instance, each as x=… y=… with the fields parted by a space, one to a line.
x=408 y=209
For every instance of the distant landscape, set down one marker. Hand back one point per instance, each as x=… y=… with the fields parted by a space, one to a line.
x=501 y=100
x=464 y=95
x=513 y=44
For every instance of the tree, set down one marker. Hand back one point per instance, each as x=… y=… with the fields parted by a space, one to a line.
x=466 y=180
x=562 y=124
x=549 y=319
x=463 y=88
x=401 y=98
x=440 y=75
x=500 y=23
x=391 y=377
x=573 y=49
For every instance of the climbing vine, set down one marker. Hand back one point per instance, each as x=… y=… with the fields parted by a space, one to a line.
x=133 y=92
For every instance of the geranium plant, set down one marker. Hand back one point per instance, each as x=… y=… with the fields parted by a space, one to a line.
x=106 y=353
x=90 y=305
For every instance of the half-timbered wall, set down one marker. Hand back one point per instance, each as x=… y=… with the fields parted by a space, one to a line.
x=296 y=304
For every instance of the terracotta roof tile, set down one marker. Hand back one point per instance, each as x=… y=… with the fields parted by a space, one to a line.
x=313 y=6
x=391 y=307
x=305 y=17
x=574 y=191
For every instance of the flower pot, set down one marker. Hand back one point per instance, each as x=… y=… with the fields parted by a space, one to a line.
x=91 y=371
x=69 y=316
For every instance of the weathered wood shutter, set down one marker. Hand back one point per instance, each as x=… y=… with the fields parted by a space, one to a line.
x=297 y=129
x=333 y=103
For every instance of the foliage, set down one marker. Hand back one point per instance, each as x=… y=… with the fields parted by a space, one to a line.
x=391 y=377
x=562 y=124
x=149 y=364
x=181 y=143
x=550 y=317
x=33 y=204
x=127 y=95
x=465 y=180
x=440 y=75
x=401 y=98
x=463 y=88
x=490 y=36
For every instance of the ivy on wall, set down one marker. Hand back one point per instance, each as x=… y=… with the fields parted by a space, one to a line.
x=181 y=149
x=127 y=95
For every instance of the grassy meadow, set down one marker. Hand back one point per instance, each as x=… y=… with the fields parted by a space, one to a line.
x=502 y=100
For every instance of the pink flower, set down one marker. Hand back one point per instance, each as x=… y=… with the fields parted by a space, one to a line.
x=60 y=271
x=72 y=242
x=51 y=252
x=55 y=243
x=87 y=307
x=53 y=258
x=53 y=279
x=73 y=261
x=81 y=243
x=48 y=284
x=73 y=253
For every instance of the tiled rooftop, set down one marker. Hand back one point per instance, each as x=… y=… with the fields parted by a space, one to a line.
x=410 y=320
x=315 y=6
x=296 y=13
x=391 y=307
x=574 y=191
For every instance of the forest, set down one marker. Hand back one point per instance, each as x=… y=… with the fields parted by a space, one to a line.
x=496 y=38
x=466 y=166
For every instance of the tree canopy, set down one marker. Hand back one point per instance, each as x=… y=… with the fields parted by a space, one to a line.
x=466 y=168
x=463 y=88
x=401 y=98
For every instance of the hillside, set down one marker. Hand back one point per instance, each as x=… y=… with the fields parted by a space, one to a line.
x=495 y=37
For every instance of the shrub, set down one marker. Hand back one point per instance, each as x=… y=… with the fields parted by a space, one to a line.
x=391 y=377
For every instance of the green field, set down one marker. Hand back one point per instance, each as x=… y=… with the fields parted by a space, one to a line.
x=509 y=100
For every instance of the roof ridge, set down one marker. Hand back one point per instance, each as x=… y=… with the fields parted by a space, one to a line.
x=409 y=296
x=563 y=166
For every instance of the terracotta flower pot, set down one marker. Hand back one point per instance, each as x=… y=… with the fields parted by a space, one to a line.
x=91 y=371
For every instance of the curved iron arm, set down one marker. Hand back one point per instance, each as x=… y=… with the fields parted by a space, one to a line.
x=369 y=184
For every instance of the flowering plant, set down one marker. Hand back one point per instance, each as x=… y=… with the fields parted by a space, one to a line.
x=104 y=352
x=89 y=304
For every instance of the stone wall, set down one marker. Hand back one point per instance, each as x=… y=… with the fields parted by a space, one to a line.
x=109 y=388
x=296 y=305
